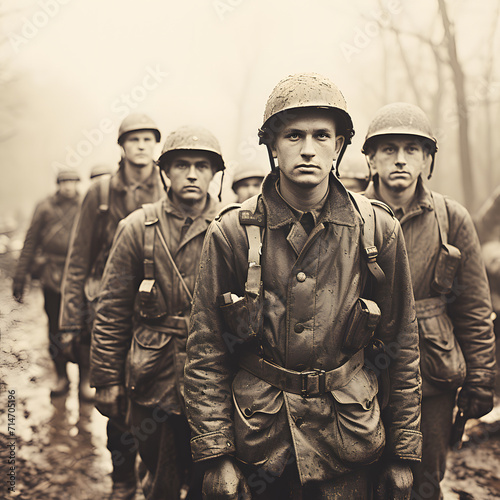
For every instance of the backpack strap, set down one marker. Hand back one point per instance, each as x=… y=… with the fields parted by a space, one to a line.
x=441 y=216
x=367 y=238
x=253 y=223
x=149 y=243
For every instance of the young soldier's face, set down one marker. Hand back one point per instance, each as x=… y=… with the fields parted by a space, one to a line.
x=139 y=148
x=246 y=188
x=68 y=189
x=190 y=174
x=307 y=146
x=399 y=160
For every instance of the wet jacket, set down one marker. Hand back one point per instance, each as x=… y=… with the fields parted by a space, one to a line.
x=49 y=235
x=91 y=242
x=309 y=291
x=142 y=344
x=461 y=316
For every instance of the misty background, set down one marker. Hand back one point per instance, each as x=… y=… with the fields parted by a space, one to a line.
x=70 y=70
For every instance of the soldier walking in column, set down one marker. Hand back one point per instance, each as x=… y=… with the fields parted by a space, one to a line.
x=108 y=200
x=45 y=247
x=451 y=292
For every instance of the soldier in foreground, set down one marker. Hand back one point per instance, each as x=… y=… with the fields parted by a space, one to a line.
x=449 y=283
x=45 y=248
x=139 y=340
x=279 y=398
x=108 y=200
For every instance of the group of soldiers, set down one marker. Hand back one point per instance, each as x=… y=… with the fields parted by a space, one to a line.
x=307 y=342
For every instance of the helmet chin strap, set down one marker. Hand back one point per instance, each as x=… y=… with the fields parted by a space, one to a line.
x=220 y=190
x=271 y=158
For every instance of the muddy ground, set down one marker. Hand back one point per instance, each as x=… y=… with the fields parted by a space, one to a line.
x=59 y=445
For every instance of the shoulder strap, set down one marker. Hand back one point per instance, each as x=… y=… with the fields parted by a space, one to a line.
x=149 y=243
x=104 y=187
x=253 y=222
x=441 y=216
x=370 y=251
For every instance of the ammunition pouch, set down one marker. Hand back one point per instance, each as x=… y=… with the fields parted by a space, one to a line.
x=361 y=325
x=446 y=268
x=441 y=359
x=243 y=317
x=149 y=302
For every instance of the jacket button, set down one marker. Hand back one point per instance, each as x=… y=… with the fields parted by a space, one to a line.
x=299 y=328
x=132 y=387
x=247 y=412
x=301 y=276
x=299 y=421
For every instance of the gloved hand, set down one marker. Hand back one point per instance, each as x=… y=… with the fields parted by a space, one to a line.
x=68 y=343
x=18 y=290
x=224 y=481
x=395 y=482
x=111 y=401
x=475 y=400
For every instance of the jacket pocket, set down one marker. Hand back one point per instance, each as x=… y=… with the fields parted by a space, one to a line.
x=149 y=302
x=357 y=426
x=256 y=422
x=441 y=358
x=147 y=357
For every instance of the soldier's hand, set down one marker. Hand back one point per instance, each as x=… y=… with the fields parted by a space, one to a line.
x=68 y=345
x=111 y=401
x=18 y=291
x=475 y=400
x=224 y=481
x=395 y=482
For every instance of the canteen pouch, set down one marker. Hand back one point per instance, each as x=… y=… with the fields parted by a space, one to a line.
x=361 y=324
x=446 y=268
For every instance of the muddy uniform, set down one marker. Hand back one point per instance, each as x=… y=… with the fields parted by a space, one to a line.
x=310 y=285
x=47 y=241
x=457 y=345
x=150 y=332
x=90 y=246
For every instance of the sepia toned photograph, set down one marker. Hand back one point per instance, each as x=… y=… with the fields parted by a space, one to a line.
x=250 y=250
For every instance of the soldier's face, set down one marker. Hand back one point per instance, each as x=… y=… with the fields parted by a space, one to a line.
x=246 y=188
x=399 y=161
x=68 y=189
x=306 y=147
x=190 y=174
x=139 y=148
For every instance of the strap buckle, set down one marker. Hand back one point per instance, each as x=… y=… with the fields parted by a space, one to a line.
x=312 y=383
x=371 y=253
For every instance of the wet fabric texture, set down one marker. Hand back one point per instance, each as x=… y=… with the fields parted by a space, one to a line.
x=310 y=285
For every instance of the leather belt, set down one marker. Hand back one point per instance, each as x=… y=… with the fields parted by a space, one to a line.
x=309 y=383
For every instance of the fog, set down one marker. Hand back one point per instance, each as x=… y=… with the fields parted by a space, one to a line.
x=72 y=69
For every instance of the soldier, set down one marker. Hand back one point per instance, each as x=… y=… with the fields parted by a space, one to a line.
x=279 y=399
x=108 y=200
x=139 y=340
x=449 y=283
x=45 y=247
x=247 y=181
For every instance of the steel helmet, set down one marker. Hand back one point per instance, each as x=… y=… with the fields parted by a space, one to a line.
x=401 y=118
x=67 y=174
x=305 y=90
x=194 y=138
x=100 y=169
x=244 y=171
x=136 y=122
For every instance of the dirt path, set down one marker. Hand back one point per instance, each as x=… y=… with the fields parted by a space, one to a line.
x=60 y=444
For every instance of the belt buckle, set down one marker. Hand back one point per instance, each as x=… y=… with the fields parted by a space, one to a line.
x=317 y=375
